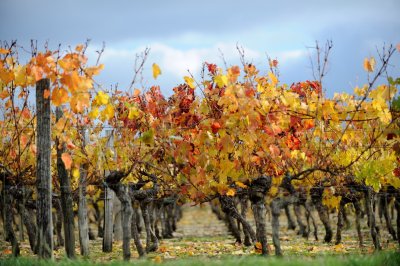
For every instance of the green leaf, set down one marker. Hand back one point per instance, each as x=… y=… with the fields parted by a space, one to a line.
x=148 y=137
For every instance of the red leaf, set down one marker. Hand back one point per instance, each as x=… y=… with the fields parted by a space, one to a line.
x=215 y=127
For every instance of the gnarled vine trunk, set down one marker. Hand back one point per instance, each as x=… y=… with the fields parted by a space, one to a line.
x=9 y=230
x=66 y=196
x=374 y=229
x=316 y=199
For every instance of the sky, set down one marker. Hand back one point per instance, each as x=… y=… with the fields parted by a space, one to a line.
x=182 y=35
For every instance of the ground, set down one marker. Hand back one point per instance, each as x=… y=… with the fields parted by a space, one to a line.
x=201 y=234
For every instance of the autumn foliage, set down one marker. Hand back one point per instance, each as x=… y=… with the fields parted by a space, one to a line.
x=212 y=136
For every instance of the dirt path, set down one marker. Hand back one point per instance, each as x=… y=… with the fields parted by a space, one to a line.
x=200 y=225
x=199 y=221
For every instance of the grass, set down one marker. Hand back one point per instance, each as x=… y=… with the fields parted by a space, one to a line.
x=380 y=258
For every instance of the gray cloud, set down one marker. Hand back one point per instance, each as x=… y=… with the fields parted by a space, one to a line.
x=356 y=28
x=112 y=21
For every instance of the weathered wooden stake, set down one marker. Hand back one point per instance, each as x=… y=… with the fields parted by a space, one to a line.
x=43 y=173
x=108 y=206
x=82 y=208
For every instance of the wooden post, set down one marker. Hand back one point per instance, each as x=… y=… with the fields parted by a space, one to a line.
x=82 y=208
x=108 y=205
x=43 y=172
x=66 y=196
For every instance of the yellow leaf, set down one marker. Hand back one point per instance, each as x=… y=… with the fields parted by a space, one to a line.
x=369 y=64
x=189 y=81
x=20 y=75
x=240 y=184
x=260 y=88
x=273 y=78
x=66 y=158
x=221 y=80
x=94 y=113
x=156 y=71
x=102 y=98
x=108 y=112
x=133 y=113
x=148 y=185
x=273 y=191
x=385 y=116
x=339 y=247
x=157 y=259
x=231 y=192
x=329 y=200
x=75 y=173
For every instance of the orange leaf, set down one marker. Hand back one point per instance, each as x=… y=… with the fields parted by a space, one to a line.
x=79 y=48
x=23 y=140
x=71 y=80
x=70 y=145
x=274 y=150
x=66 y=158
x=4 y=51
x=59 y=96
x=12 y=154
x=46 y=94
x=240 y=184
x=37 y=72
x=92 y=71
x=79 y=102
x=33 y=149
x=7 y=252
x=162 y=249
x=4 y=94
x=255 y=159
x=369 y=64
x=258 y=245
x=136 y=92
x=26 y=113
